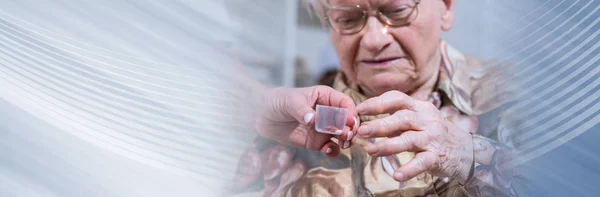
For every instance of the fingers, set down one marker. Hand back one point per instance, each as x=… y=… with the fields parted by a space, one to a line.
x=356 y=124
x=308 y=138
x=407 y=141
x=393 y=125
x=422 y=162
x=324 y=95
x=301 y=111
x=318 y=142
x=332 y=130
x=331 y=149
x=388 y=102
x=286 y=104
x=346 y=138
x=299 y=103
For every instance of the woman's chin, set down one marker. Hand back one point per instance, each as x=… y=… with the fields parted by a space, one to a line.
x=382 y=83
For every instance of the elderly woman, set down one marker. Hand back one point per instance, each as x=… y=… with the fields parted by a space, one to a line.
x=421 y=105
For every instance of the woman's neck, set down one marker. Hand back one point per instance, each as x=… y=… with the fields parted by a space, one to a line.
x=424 y=91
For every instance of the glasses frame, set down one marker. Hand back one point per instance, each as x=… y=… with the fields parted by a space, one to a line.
x=382 y=18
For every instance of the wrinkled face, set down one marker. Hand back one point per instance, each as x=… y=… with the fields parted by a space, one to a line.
x=381 y=57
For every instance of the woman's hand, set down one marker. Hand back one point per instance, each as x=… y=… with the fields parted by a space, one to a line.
x=288 y=117
x=440 y=147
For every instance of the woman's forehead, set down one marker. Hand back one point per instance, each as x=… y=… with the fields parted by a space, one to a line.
x=357 y=2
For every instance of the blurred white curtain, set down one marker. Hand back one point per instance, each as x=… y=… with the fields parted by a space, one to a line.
x=131 y=98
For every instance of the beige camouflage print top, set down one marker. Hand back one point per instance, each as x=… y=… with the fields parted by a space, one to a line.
x=466 y=94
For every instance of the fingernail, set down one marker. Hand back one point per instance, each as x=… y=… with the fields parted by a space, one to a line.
x=308 y=117
x=346 y=144
x=328 y=150
x=371 y=149
x=339 y=132
x=343 y=144
x=363 y=130
x=349 y=137
x=355 y=123
x=399 y=176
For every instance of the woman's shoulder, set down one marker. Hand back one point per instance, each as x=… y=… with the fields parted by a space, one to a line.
x=491 y=85
x=478 y=85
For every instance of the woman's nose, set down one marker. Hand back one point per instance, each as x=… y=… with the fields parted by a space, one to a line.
x=375 y=36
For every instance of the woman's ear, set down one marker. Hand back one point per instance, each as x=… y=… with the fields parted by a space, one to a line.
x=448 y=15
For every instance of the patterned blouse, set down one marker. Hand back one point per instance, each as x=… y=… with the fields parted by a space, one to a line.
x=467 y=94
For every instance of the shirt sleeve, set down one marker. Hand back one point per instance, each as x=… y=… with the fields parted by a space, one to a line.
x=492 y=171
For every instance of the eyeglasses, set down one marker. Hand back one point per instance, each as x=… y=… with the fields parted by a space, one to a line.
x=351 y=19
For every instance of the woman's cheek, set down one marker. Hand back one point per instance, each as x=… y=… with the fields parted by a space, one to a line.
x=350 y=71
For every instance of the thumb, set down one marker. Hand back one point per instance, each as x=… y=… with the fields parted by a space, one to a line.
x=301 y=102
x=307 y=116
x=294 y=103
x=287 y=104
x=301 y=109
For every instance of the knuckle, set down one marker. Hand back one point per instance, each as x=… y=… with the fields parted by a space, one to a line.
x=383 y=126
x=412 y=119
x=319 y=89
x=406 y=142
x=427 y=104
x=379 y=103
x=322 y=87
x=420 y=163
x=314 y=93
x=433 y=137
x=419 y=141
x=384 y=147
x=418 y=122
x=398 y=113
x=436 y=124
x=393 y=93
x=410 y=136
x=403 y=117
x=406 y=118
x=424 y=105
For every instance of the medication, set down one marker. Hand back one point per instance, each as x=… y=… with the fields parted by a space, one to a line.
x=330 y=119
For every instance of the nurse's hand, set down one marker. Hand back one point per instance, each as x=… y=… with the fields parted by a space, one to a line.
x=287 y=116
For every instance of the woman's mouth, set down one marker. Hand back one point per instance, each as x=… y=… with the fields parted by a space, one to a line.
x=380 y=62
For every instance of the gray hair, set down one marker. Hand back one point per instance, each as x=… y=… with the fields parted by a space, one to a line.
x=316 y=7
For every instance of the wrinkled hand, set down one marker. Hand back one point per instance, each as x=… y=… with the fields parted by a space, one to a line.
x=441 y=148
x=287 y=116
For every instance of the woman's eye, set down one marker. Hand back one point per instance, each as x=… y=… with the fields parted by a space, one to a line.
x=343 y=20
x=346 y=22
x=398 y=12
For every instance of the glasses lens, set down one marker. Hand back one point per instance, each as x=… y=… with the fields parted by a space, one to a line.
x=347 y=19
x=399 y=12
